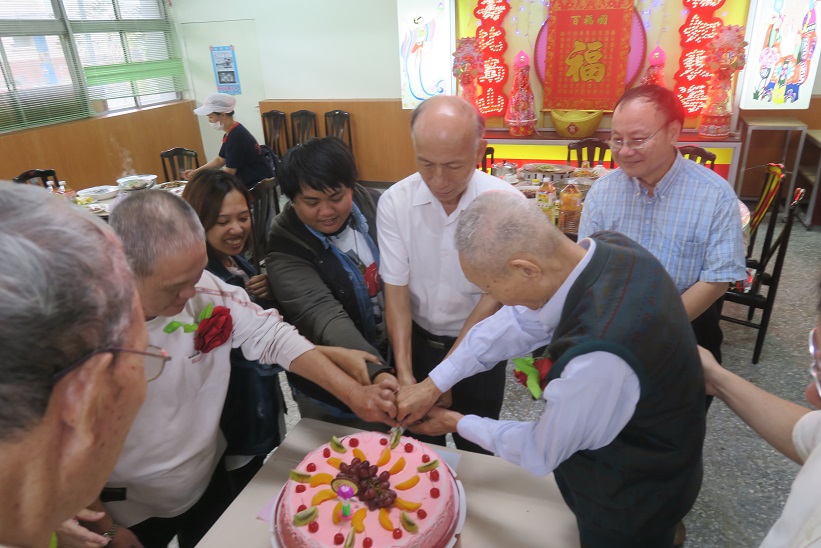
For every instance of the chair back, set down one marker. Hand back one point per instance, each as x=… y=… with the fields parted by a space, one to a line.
x=338 y=124
x=303 y=126
x=590 y=150
x=488 y=159
x=41 y=177
x=275 y=132
x=768 y=202
x=699 y=155
x=763 y=276
x=264 y=208
x=176 y=160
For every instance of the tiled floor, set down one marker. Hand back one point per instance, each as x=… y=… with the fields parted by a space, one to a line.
x=746 y=481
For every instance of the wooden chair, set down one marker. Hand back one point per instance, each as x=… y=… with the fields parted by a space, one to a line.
x=266 y=195
x=338 y=124
x=488 y=159
x=43 y=177
x=589 y=150
x=176 y=160
x=303 y=126
x=699 y=155
x=763 y=272
x=275 y=132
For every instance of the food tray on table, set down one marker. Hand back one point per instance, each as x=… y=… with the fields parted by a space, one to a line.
x=99 y=192
x=136 y=182
x=551 y=171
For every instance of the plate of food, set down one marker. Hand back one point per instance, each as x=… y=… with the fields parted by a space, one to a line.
x=170 y=184
x=547 y=168
x=98 y=209
x=136 y=182
x=99 y=192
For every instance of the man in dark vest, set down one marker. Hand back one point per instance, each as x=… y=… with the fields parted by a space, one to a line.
x=623 y=425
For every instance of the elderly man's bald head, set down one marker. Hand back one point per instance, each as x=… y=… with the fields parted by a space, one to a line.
x=450 y=110
x=448 y=143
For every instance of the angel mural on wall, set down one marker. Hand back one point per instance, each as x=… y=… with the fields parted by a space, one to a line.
x=419 y=53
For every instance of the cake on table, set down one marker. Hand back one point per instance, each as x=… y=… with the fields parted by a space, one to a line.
x=368 y=490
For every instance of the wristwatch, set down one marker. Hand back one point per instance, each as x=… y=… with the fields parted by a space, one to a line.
x=111 y=532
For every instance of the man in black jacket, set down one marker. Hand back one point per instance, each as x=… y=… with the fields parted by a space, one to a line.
x=323 y=267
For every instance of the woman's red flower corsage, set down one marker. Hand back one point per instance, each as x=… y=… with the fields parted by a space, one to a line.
x=213 y=329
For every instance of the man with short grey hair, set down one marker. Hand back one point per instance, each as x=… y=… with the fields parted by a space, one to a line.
x=429 y=304
x=71 y=373
x=623 y=423
x=170 y=472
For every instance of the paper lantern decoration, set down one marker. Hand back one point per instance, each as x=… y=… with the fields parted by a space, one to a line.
x=655 y=72
x=467 y=65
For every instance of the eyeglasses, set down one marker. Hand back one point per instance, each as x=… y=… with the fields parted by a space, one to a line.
x=635 y=144
x=154 y=361
x=815 y=365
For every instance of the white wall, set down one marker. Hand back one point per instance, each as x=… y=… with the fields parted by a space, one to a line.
x=306 y=49
x=314 y=49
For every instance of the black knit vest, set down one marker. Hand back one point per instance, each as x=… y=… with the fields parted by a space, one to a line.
x=646 y=480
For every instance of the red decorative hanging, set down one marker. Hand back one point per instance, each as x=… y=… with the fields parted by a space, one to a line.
x=692 y=78
x=490 y=40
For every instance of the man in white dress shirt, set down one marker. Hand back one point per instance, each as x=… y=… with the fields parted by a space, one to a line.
x=623 y=425
x=429 y=303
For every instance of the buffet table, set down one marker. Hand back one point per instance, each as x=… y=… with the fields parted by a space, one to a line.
x=506 y=506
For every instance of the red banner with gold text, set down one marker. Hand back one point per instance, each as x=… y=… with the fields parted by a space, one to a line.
x=587 y=46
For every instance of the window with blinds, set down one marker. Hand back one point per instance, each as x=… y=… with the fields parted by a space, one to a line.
x=67 y=59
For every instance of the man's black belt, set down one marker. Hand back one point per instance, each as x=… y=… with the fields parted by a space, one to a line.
x=439 y=342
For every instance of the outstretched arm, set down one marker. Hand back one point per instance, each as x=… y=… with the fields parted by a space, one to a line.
x=374 y=403
x=771 y=417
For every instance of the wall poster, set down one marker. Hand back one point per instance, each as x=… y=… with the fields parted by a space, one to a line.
x=225 y=70
x=783 y=56
x=426 y=45
x=587 y=50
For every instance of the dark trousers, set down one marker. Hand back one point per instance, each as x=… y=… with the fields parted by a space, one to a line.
x=709 y=335
x=708 y=331
x=190 y=526
x=592 y=539
x=481 y=394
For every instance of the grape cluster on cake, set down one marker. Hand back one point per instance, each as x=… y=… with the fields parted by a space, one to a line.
x=403 y=496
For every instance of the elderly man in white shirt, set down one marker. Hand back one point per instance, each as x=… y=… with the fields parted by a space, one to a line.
x=429 y=303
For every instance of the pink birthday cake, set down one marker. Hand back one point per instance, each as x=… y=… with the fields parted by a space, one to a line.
x=359 y=491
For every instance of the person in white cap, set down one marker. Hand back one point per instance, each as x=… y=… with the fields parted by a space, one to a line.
x=240 y=153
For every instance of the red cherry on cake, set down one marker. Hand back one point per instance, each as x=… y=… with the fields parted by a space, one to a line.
x=301 y=507
x=383 y=441
x=326 y=452
x=367 y=542
x=354 y=442
x=421 y=514
x=313 y=526
x=311 y=467
x=338 y=538
x=425 y=458
x=434 y=492
x=300 y=488
x=408 y=447
x=434 y=475
x=397 y=533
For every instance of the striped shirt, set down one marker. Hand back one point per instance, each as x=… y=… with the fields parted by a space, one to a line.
x=691 y=223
